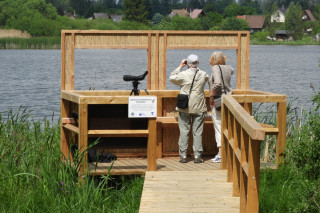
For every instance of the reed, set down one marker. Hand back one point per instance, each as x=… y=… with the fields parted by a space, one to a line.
x=295 y=185
x=34 y=179
x=30 y=43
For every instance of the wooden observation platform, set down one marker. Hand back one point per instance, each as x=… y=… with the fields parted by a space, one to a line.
x=149 y=145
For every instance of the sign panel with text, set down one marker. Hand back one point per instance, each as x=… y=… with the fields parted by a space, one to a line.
x=142 y=107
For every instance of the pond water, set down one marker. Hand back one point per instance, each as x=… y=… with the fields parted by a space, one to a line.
x=31 y=78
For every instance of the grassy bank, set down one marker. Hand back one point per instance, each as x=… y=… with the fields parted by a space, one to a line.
x=33 y=178
x=31 y=43
x=55 y=43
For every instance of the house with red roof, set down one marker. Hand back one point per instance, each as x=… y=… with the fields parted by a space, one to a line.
x=255 y=22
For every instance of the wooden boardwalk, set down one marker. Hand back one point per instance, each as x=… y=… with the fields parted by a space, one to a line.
x=188 y=191
x=129 y=166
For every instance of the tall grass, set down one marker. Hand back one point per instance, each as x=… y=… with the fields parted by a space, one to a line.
x=295 y=185
x=30 y=43
x=34 y=179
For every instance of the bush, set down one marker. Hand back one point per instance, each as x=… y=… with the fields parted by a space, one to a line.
x=234 y=24
x=303 y=148
x=179 y=23
x=260 y=36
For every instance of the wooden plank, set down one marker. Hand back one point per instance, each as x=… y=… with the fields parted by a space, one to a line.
x=175 y=190
x=83 y=136
x=281 y=125
x=64 y=134
x=151 y=149
x=118 y=133
x=105 y=100
x=243 y=170
x=70 y=96
x=230 y=149
x=253 y=176
x=236 y=158
x=224 y=141
x=259 y=98
x=68 y=121
x=63 y=60
x=71 y=128
x=269 y=129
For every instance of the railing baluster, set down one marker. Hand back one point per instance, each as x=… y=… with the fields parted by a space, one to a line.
x=236 y=160
x=230 y=148
x=253 y=176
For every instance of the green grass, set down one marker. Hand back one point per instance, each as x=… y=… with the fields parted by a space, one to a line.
x=31 y=43
x=288 y=190
x=34 y=179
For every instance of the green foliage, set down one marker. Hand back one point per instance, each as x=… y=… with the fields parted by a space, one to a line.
x=156 y=19
x=179 y=23
x=287 y=190
x=235 y=9
x=135 y=10
x=210 y=20
x=30 y=43
x=294 y=22
x=234 y=24
x=132 y=25
x=33 y=177
x=260 y=36
x=303 y=147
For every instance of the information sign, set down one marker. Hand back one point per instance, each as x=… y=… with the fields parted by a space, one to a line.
x=142 y=107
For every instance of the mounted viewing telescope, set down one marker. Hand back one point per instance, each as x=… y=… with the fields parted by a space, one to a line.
x=135 y=82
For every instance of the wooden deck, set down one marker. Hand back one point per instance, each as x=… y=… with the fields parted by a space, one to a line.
x=188 y=191
x=129 y=166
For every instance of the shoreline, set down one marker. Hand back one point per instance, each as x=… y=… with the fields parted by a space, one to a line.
x=55 y=43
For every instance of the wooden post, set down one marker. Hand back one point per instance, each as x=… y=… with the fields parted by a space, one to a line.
x=224 y=142
x=230 y=150
x=83 y=136
x=281 y=124
x=152 y=142
x=243 y=175
x=253 y=176
x=64 y=134
x=236 y=161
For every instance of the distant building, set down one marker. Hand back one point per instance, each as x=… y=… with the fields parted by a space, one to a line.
x=115 y=17
x=307 y=16
x=255 y=22
x=283 y=35
x=69 y=14
x=100 y=15
x=182 y=12
x=197 y=13
x=279 y=15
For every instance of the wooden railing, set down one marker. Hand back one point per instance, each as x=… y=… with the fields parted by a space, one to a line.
x=241 y=140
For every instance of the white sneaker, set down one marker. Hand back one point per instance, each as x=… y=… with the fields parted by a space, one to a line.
x=216 y=159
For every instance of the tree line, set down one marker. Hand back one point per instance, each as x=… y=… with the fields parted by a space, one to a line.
x=45 y=17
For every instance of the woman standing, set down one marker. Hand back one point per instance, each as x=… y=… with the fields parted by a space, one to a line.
x=195 y=79
x=219 y=84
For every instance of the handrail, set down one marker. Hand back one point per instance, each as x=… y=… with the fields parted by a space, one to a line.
x=241 y=140
x=240 y=152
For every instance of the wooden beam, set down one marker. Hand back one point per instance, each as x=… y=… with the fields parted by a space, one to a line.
x=250 y=125
x=253 y=176
x=71 y=128
x=118 y=133
x=152 y=143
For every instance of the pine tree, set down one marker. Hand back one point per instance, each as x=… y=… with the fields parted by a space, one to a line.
x=135 y=10
x=294 y=22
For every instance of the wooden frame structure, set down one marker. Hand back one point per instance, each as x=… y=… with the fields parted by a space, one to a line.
x=241 y=133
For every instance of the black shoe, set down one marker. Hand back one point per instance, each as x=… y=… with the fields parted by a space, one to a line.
x=198 y=160
x=183 y=160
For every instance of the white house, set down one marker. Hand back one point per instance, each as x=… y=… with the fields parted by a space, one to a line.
x=279 y=15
